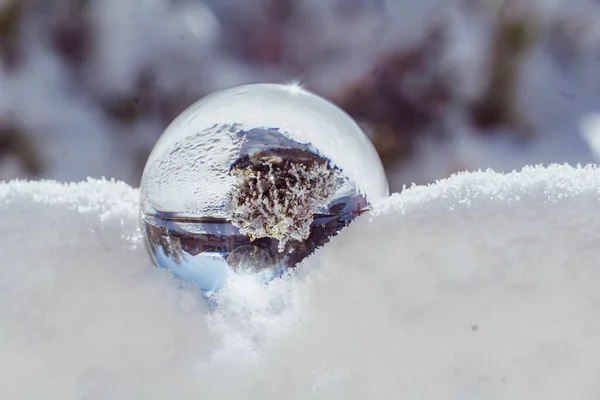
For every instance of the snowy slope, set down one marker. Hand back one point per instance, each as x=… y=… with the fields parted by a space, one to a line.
x=482 y=286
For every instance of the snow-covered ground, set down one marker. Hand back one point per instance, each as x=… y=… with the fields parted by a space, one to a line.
x=481 y=286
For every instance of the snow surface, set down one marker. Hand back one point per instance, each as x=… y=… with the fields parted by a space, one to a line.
x=482 y=286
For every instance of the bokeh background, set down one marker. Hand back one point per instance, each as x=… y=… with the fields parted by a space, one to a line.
x=441 y=86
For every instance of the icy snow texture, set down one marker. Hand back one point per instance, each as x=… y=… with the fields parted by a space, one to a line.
x=278 y=199
x=482 y=286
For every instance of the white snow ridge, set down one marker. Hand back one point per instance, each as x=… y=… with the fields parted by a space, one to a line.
x=482 y=286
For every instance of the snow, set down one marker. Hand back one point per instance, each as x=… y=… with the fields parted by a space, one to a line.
x=481 y=286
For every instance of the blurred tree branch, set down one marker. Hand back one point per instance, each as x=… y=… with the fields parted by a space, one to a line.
x=497 y=106
x=72 y=32
x=14 y=141
x=11 y=16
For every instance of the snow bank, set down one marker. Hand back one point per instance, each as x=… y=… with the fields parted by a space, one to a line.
x=482 y=286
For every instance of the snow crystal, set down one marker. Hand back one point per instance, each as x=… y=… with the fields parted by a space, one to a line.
x=479 y=286
x=277 y=198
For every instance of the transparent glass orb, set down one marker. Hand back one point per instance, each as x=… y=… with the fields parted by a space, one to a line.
x=253 y=179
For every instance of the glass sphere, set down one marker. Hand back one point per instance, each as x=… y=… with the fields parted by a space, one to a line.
x=253 y=179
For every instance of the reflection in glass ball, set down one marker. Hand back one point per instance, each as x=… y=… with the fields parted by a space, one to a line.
x=252 y=180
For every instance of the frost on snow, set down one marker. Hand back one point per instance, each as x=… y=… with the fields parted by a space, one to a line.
x=481 y=286
x=279 y=191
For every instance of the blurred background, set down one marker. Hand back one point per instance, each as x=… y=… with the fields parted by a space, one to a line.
x=441 y=86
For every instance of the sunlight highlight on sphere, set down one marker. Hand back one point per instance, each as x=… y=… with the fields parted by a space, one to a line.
x=294 y=87
x=254 y=179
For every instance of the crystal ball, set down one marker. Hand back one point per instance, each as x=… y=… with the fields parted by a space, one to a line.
x=251 y=180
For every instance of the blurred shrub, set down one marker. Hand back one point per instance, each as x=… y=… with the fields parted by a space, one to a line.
x=402 y=97
x=405 y=93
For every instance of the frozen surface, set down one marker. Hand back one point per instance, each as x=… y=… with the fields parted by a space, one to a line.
x=481 y=286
